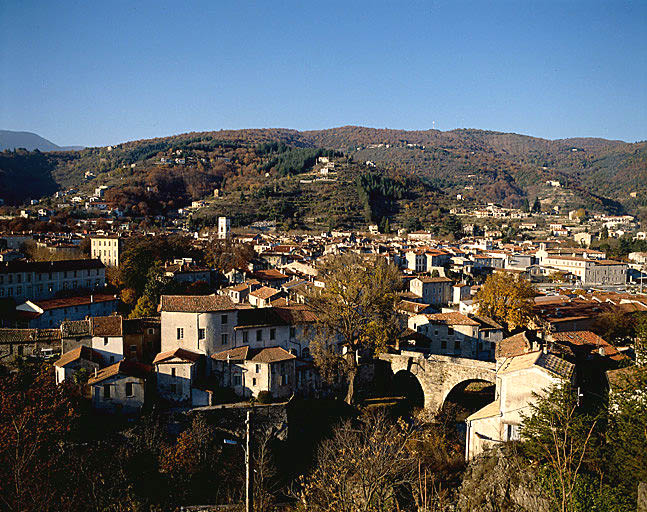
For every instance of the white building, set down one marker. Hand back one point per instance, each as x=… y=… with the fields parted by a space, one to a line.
x=224 y=227
x=108 y=249
x=518 y=379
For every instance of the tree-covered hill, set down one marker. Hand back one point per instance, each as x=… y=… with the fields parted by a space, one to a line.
x=169 y=172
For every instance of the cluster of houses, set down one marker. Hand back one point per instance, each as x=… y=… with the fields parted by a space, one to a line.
x=250 y=337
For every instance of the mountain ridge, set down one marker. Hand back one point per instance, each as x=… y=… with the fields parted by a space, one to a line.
x=10 y=140
x=479 y=165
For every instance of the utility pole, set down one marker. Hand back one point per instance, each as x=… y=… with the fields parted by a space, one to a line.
x=249 y=491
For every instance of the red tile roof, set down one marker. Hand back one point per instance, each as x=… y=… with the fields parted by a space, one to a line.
x=195 y=303
x=123 y=367
x=82 y=352
x=257 y=355
x=178 y=353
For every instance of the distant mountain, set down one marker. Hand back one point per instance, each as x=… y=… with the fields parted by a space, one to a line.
x=30 y=141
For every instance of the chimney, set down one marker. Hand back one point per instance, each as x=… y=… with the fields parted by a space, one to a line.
x=91 y=298
x=95 y=371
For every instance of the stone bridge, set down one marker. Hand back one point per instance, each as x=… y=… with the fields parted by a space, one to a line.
x=437 y=375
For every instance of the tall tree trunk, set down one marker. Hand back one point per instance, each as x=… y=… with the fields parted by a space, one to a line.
x=352 y=375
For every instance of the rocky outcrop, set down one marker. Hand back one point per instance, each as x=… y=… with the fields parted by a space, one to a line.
x=498 y=481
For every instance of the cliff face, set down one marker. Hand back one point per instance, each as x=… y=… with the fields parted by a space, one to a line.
x=496 y=481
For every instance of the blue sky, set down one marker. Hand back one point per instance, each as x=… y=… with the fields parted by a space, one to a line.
x=97 y=73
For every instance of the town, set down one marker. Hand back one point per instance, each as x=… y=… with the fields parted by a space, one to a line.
x=478 y=331
x=323 y=256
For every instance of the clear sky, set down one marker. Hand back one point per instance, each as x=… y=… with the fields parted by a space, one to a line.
x=101 y=72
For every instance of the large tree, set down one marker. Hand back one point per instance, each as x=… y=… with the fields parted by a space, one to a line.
x=506 y=298
x=559 y=434
x=355 y=311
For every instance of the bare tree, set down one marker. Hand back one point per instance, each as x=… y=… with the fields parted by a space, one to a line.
x=355 y=310
x=362 y=468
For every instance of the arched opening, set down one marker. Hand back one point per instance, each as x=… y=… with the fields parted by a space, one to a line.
x=406 y=384
x=467 y=397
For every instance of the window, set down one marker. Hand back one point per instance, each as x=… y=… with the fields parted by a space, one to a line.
x=223 y=319
x=224 y=338
x=133 y=350
x=238 y=380
x=20 y=350
x=443 y=344
x=272 y=333
x=254 y=381
x=105 y=341
x=285 y=379
x=513 y=432
x=201 y=334
x=112 y=359
x=106 y=391
x=259 y=335
x=450 y=331
x=293 y=332
x=129 y=389
x=180 y=333
x=173 y=372
x=245 y=336
x=173 y=387
x=457 y=344
x=258 y=368
x=151 y=331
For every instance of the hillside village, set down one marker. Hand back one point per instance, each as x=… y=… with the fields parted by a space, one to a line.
x=227 y=321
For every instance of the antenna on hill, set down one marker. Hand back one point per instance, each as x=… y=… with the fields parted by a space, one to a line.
x=433 y=124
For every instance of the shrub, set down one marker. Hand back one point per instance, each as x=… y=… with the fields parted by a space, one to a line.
x=264 y=397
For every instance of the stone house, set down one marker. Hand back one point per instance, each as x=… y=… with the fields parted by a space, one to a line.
x=432 y=290
x=203 y=323
x=179 y=374
x=518 y=379
x=448 y=333
x=80 y=358
x=16 y=343
x=51 y=313
x=120 y=388
x=114 y=337
x=263 y=297
x=248 y=371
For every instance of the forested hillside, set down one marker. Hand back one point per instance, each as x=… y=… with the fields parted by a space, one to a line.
x=267 y=165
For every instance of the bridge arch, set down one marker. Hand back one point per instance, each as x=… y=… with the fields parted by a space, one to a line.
x=438 y=374
x=406 y=384
x=470 y=394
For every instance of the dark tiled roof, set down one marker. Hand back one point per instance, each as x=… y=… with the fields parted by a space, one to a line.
x=195 y=303
x=75 y=328
x=589 y=339
x=269 y=275
x=106 y=325
x=66 y=302
x=628 y=379
x=556 y=365
x=48 y=266
x=29 y=335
